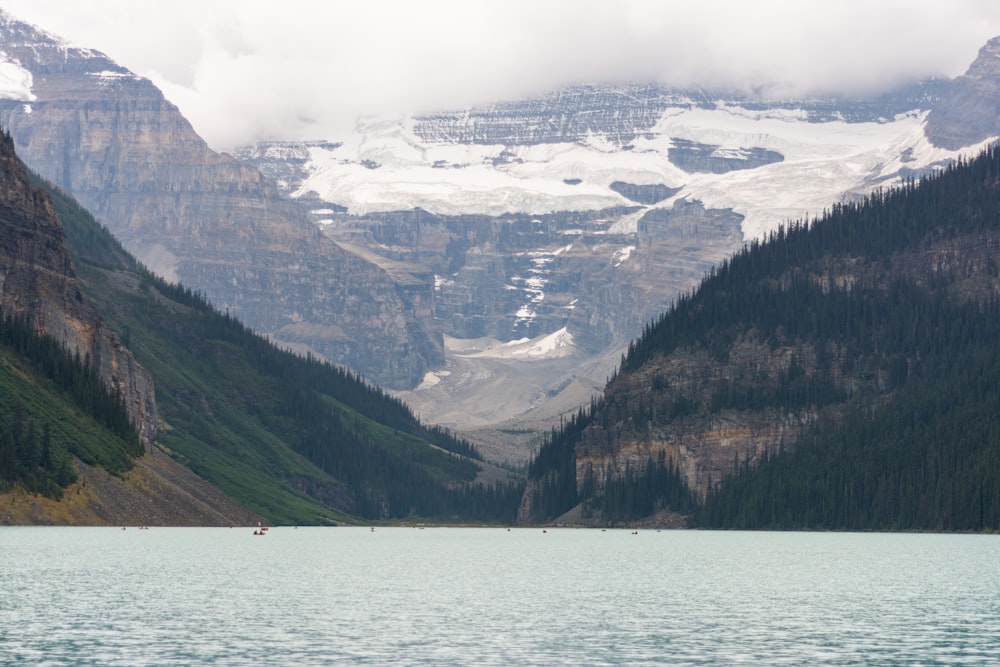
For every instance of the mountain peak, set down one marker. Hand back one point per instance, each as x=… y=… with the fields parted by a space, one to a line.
x=967 y=113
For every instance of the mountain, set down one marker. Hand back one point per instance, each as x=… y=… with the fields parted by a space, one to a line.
x=840 y=375
x=293 y=438
x=238 y=430
x=110 y=139
x=967 y=113
x=77 y=411
x=581 y=215
x=39 y=284
x=490 y=264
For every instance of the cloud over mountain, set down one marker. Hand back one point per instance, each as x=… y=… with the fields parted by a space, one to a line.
x=243 y=70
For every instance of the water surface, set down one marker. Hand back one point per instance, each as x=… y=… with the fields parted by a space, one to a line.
x=463 y=596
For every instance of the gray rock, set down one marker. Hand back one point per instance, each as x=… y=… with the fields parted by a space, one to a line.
x=969 y=110
x=207 y=220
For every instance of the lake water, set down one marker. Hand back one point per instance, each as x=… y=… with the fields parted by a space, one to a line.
x=467 y=596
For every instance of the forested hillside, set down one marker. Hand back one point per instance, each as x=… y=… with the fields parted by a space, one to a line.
x=852 y=364
x=53 y=406
x=295 y=439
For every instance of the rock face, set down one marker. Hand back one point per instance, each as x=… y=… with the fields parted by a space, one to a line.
x=204 y=219
x=696 y=157
x=38 y=281
x=969 y=112
x=520 y=276
x=620 y=113
x=536 y=309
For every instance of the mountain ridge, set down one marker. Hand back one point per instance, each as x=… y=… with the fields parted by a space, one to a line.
x=110 y=138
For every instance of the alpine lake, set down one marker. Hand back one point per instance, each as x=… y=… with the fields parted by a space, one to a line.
x=494 y=596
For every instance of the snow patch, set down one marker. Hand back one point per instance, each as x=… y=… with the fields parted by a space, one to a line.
x=430 y=379
x=549 y=346
x=622 y=255
x=15 y=81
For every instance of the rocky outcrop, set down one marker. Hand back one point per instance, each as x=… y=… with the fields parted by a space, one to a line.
x=644 y=194
x=202 y=218
x=38 y=281
x=706 y=446
x=694 y=157
x=968 y=112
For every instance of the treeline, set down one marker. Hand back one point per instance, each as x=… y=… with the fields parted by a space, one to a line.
x=912 y=356
x=553 y=470
x=75 y=376
x=28 y=452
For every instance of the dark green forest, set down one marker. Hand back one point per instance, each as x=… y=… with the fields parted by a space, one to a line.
x=909 y=346
x=296 y=439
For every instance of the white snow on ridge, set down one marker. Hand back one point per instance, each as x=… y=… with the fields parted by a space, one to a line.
x=385 y=166
x=555 y=345
x=15 y=81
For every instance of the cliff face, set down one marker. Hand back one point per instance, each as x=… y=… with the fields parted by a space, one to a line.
x=38 y=281
x=202 y=218
x=968 y=113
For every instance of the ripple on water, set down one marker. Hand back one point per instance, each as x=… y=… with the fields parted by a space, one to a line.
x=441 y=596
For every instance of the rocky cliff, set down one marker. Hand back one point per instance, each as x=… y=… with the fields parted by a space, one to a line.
x=110 y=139
x=968 y=111
x=38 y=281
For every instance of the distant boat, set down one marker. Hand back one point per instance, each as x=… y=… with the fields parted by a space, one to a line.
x=261 y=529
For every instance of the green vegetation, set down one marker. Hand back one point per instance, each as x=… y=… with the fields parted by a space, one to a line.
x=52 y=404
x=293 y=438
x=908 y=349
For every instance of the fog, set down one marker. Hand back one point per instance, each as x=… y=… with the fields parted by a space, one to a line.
x=246 y=70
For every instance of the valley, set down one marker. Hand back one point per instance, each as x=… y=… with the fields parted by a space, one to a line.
x=465 y=283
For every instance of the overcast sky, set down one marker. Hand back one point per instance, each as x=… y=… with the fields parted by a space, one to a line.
x=243 y=70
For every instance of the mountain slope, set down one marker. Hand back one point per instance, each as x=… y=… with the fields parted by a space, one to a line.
x=967 y=112
x=294 y=439
x=110 y=138
x=845 y=371
x=78 y=416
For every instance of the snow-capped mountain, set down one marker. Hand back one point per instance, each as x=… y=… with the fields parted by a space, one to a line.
x=584 y=213
x=769 y=163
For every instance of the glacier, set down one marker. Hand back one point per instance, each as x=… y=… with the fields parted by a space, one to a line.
x=386 y=166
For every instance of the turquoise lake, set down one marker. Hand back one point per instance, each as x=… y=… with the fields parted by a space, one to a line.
x=492 y=596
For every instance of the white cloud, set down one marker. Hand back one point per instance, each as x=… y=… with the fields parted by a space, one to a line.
x=243 y=70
